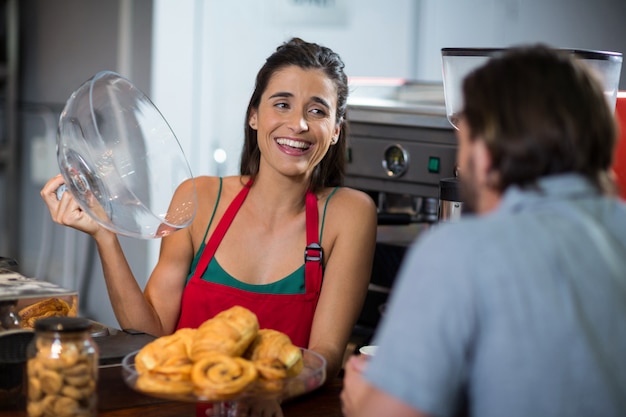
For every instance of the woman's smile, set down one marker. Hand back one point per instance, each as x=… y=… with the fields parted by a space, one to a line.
x=293 y=146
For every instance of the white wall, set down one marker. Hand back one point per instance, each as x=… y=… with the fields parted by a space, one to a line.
x=575 y=24
x=206 y=53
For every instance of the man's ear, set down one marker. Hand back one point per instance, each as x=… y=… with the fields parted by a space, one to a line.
x=484 y=165
x=482 y=160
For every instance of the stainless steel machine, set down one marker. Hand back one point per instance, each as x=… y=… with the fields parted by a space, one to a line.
x=400 y=146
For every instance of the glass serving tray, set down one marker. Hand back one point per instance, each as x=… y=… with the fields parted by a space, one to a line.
x=310 y=378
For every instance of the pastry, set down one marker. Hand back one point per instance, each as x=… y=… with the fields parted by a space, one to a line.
x=166 y=351
x=164 y=365
x=219 y=359
x=229 y=332
x=217 y=376
x=50 y=307
x=162 y=384
x=272 y=344
x=272 y=373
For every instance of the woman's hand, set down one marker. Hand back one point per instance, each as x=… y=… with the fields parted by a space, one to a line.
x=66 y=211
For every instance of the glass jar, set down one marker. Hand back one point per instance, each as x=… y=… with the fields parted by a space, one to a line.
x=9 y=318
x=62 y=369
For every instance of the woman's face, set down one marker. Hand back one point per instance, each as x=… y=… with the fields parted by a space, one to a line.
x=295 y=120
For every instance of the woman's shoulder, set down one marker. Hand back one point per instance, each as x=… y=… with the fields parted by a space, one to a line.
x=348 y=195
x=348 y=213
x=348 y=201
x=212 y=184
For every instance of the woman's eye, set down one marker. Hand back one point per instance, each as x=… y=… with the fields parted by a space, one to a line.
x=318 y=112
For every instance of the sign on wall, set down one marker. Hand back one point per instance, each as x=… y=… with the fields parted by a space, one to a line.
x=310 y=12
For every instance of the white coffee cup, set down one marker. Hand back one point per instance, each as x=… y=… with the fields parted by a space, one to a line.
x=368 y=350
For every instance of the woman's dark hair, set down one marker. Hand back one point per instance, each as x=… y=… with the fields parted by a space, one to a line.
x=540 y=112
x=330 y=171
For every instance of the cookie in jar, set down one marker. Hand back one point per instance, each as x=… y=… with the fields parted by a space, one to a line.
x=62 y=369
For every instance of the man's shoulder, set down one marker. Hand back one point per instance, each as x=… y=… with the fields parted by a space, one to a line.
x=469 y=228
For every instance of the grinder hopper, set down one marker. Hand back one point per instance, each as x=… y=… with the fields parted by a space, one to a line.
x=458 y=62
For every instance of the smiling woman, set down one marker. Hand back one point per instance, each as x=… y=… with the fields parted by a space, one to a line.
x=287 y=203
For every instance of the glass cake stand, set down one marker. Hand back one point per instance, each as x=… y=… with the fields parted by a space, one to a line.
x=310 y=378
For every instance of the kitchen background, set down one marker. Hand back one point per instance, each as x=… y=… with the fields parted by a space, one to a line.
x=197 y=60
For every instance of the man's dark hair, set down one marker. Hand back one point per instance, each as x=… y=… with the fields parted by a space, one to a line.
x=541 y=112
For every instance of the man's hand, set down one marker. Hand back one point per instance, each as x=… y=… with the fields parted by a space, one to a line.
x=354 y=385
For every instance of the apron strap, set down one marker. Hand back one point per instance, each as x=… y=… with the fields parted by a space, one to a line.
x=313 y=252
x=220 y=231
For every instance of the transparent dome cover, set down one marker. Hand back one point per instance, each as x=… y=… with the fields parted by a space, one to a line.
x=121 y=160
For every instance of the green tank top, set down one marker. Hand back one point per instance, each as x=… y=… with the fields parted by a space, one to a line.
x=291 y=284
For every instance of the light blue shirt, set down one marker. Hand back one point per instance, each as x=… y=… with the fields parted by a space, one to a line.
x=523 y=310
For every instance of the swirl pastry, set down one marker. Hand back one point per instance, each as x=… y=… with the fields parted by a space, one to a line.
x=217 y=376
x=272 y=373
x=229 y=332
x=270 y=345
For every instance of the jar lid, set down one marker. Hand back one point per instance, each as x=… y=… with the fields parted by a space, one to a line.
x=62 y=324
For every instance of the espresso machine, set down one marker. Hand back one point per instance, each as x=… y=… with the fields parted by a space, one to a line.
x=401 y=149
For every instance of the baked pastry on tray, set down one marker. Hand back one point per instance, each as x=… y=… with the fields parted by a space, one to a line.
x=49 y=307
x=218 y=360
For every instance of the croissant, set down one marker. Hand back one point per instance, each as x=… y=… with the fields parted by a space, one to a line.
x=166 y=351
x=229 y=332
x=271 y=345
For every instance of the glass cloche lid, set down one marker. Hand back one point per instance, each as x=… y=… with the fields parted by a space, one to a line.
x=121 y=160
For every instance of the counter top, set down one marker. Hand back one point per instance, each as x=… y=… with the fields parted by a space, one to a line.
x=116 y=399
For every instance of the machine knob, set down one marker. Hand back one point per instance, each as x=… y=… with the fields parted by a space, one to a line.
x=395 y=161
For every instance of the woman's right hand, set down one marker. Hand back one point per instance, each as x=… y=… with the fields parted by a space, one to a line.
x=67 y=211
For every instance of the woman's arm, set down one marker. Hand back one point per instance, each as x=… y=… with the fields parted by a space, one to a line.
x=350 y=226
x=155 y=313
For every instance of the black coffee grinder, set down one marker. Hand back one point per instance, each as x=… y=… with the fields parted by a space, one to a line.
x=450 y=201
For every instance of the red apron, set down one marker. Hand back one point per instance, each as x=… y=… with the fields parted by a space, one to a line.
x=291 y=314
